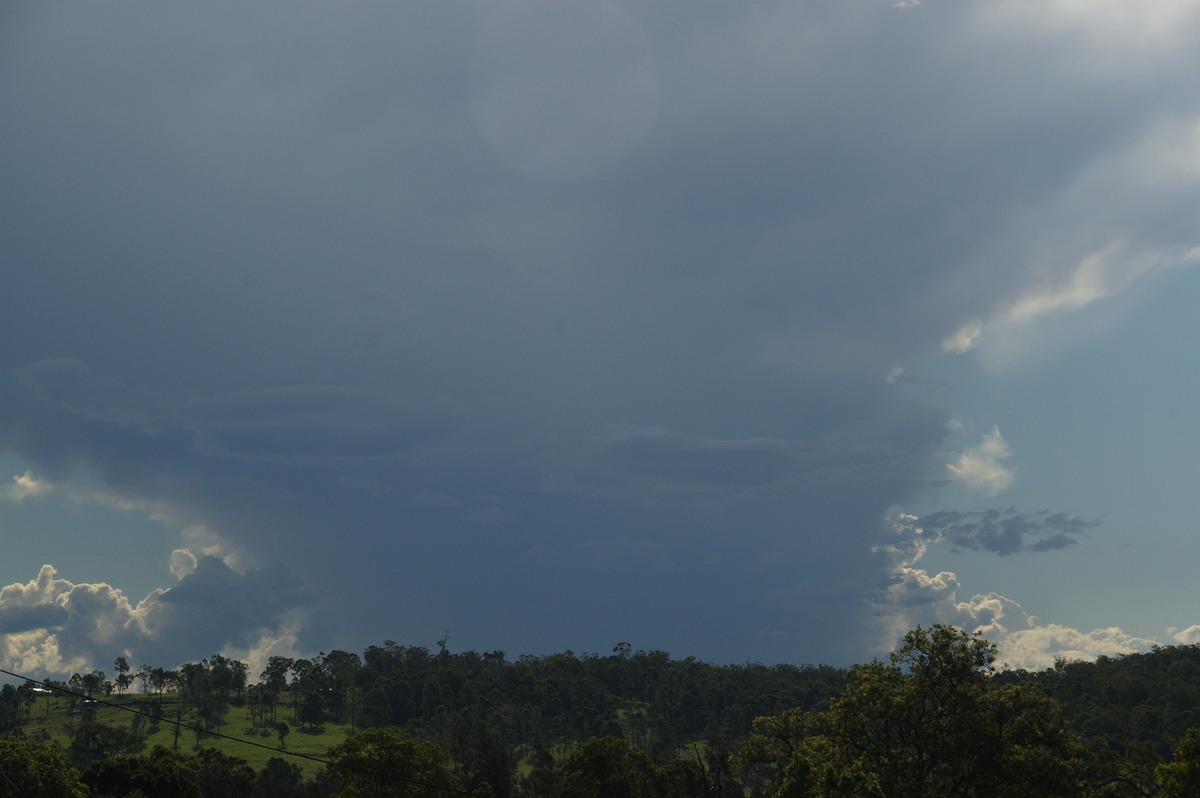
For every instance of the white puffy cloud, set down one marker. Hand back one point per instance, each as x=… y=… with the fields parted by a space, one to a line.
x=183 y=562
x=51 y=625
x=915 y=597
x=1041 y=644
x=283 y=642
x=1188 y=637
x=26 y=485
x=42 y=589
x=979 y=467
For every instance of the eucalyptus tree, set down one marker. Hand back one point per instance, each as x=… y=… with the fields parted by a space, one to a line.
x=932 y=722
x=37 y=769
x=392 y=763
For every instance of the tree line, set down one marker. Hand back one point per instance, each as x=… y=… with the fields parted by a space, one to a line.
x=936 y=719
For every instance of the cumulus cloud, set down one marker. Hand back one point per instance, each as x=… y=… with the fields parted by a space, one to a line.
x=1041 y=644
x=1006 y=531
x=183 y=562
x=51 y=625
x=26 y=485
x=916 y=597
x=56 y=626
x=979 y=467
x=1188 y=637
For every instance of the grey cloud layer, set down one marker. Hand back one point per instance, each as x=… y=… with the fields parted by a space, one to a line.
x=324 y=283
x=1006 y=531
x=304 y=422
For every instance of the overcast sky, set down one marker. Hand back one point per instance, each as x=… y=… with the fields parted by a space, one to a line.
x=750 y=331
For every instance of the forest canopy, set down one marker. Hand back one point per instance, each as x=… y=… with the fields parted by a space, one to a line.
x=938 y=718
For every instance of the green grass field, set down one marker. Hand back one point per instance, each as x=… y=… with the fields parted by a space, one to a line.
x=52 y=715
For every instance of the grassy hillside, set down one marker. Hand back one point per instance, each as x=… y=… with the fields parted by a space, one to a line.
x=53 y=715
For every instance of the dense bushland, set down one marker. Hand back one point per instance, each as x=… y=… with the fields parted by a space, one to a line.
x=937 y=719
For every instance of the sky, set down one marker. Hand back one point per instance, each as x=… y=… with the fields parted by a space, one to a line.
x=745 y=331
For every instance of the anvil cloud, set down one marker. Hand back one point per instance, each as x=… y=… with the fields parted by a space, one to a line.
x=559 y=324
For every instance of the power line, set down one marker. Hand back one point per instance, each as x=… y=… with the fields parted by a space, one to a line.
x=330 y=763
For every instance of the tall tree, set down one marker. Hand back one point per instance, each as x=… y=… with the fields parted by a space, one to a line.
x=122 y=680
x=274 y=679
x=932 y=723
x=1181 y=778
x=391 y=763
x=606 y=767
x=159 y=774
x=37 y=769
x=91 y=741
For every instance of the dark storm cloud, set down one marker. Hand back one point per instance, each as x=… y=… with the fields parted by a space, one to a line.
x=303 y=422
x=1006 y=531
x=70 y=385
x=374 y=297
x=214 y=608
x=674 y=464
x=22 y=619
x=655 y=463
